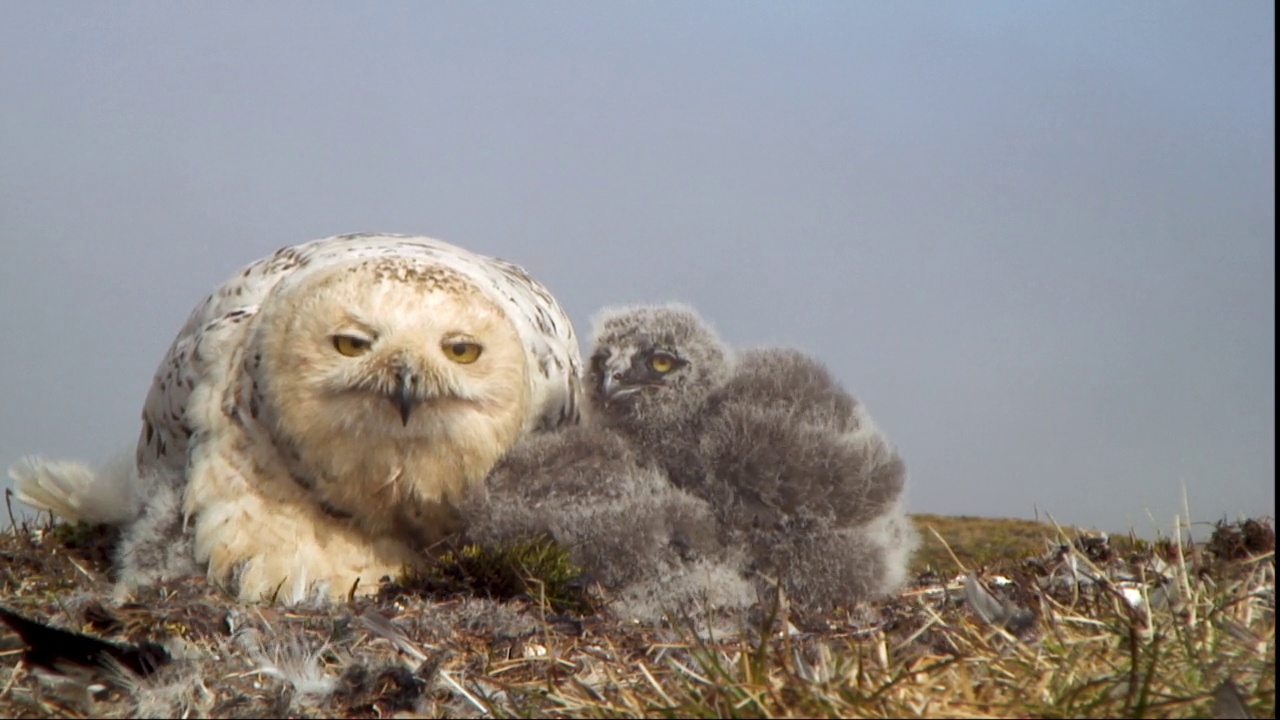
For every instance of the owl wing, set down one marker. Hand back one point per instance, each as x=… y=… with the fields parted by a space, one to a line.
x=197 y=358
x=550 y=344
x=218 y=327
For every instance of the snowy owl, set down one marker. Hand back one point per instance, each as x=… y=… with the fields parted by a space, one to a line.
x=795 y=469
x=319 y=416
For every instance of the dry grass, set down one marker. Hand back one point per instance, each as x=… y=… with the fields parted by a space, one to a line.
x=975 y=541
x=1157 y=634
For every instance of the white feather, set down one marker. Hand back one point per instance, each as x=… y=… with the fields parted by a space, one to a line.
x=75 y=492
x=290 y=658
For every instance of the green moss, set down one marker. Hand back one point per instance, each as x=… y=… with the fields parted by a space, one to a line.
x=535 y=568
x=85 y=541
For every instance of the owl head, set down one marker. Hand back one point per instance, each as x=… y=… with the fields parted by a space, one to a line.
x=654 y=365
x=386 y=375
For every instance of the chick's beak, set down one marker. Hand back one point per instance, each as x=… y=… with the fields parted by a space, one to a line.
x=617 y=384
x=609 y=385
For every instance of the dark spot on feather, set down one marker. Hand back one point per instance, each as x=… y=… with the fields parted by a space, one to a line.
x=335 y=512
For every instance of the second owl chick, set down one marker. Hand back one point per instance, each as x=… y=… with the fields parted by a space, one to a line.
x=793 y=467
x=650 y=544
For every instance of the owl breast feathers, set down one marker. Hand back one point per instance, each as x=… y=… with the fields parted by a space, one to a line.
x=319 y=415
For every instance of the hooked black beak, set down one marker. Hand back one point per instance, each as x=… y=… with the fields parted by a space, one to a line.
x=404 y=396
x=615 y=386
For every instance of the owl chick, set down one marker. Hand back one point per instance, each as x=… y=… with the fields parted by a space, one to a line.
x=652 y=372
x=320 y=414
x=651 y=545
x=797 y=474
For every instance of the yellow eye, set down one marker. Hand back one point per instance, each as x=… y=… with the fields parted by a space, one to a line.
x=662 y=363
x=350 y=345
x=463 y=353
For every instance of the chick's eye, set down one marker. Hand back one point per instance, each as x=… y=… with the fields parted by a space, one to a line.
x=463 y=353
x=662 y=363
x=350 y=345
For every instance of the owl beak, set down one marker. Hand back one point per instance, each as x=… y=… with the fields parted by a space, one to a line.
x=613 y=385
x=404 y=396
x=616 y=386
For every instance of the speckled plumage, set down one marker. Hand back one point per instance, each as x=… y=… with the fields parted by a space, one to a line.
x=301 y=470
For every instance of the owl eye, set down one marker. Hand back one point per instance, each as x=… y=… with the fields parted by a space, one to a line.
x=662 y=363
x=463 y=353
x=350 y=345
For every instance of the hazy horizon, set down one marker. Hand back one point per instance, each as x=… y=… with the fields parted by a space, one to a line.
x=1037 y=240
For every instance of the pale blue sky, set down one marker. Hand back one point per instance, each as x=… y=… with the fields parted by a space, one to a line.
x=1037 y=239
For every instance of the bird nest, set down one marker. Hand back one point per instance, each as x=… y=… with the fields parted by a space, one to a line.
x=1080 y=629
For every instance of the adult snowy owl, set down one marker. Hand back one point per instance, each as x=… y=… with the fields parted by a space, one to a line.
x=319 y=415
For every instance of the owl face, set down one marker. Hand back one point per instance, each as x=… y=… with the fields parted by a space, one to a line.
x=620 y=373
x=654 y=363
x=383 y=350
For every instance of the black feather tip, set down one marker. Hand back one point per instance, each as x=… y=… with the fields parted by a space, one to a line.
x=64 y=651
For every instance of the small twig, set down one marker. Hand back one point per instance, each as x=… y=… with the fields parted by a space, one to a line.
x=947 y=545
x=695 y=676
x=8 y=503
x=77 y=566
x=13 y=676
x=656 y=687
x=444 y=674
